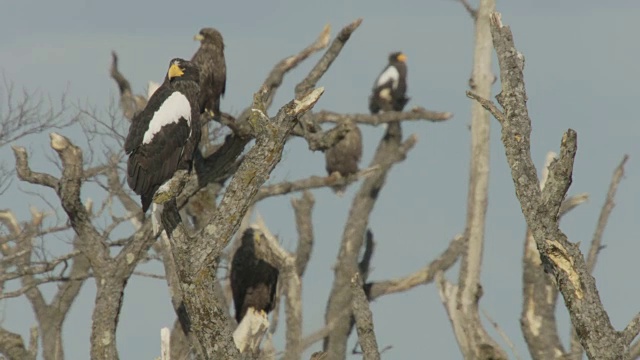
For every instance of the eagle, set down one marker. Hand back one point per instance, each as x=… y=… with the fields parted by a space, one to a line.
x=164 y=136
x=253 y=281
x=343 y=157
x=213 y=69
x=389 y=90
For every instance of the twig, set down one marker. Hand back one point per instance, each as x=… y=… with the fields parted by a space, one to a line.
x=596 y=242
x=423 y=276
x=488 y=105
x=503 y=335
x=327 y=59
x=472 y=12
x=309 y=183
x=275 y=77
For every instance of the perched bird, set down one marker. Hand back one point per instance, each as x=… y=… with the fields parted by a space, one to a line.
x=253 y=281
x=391 y=86
x=165 y=134
x=213 y=69
x=343 y=157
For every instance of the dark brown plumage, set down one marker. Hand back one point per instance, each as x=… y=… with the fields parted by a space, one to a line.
x=343 y=157
x=253 y=281
x=389 y=90
x=213 y=69
x=165 y=134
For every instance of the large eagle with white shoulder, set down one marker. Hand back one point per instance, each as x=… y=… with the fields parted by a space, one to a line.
x=164 y=136
x=390 y=88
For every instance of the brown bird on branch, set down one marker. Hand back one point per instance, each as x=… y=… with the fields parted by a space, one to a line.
x=213 y=70
x=343 y=157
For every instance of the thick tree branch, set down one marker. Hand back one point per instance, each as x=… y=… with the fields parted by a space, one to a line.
x=390 y=151
x=270 y=251
x=111 y=276
x=473 y=339
x=197 y=257
x=559 y=257
x=25 y=173
x=13 y=346
x=364 y=320
x=538 y=319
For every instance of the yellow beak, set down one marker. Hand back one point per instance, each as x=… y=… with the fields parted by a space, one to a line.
x=198 y=37
x=175 y=71
x=402 y=57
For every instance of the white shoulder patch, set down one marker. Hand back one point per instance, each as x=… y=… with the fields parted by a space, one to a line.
x=171 y=110
x=389 y=74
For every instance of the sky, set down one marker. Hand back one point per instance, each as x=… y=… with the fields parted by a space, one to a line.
x=581 y=73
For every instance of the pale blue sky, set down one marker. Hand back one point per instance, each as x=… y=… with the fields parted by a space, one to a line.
x=581 y=72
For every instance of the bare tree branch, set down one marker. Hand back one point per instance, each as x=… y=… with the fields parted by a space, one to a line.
x=417 y=113
x=596 y=242
x=390 y=151
x=503 y=334
x=197 y=260
x=25 y=173
x=327 y=59
x=309 y=183
x=275 y=77
x=364 y=320
x=538 y=317
x=31 y=114
x=270 y=251
x=423 y=276
x=463 y=299
x=303 y=208
x=559 y=257
x=472 y=12
x=129 y=103
x=13 y=346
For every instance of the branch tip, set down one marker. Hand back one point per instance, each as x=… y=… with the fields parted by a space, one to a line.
x=307 y=102
x=496 y=19
x=59 y=142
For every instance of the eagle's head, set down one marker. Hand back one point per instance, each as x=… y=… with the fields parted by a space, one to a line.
x=210 y=36
x=397 y=57
x=181 y=70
